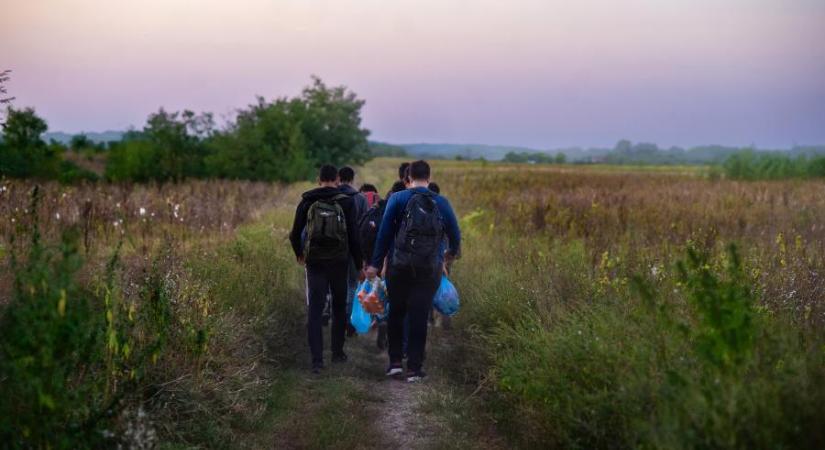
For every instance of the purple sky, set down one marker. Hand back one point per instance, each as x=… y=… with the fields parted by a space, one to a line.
x=541 y=73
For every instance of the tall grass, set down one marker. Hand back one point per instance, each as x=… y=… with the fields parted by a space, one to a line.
x=605 y=311
x=168 y=325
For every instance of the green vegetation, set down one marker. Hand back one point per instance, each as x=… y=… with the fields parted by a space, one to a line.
x=23 y=154
x=750 y=165
x=535 y=158
x=597 y=333
x=600 y=308
x=282 y=140
x=381 y=149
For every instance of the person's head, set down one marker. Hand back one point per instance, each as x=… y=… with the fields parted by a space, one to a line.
x=407 y=180
x=402 y=170
x=433 y=186
x=346 y=175
x=420 y=173
x=398 y=186
x=328 y=175
x=366 y=187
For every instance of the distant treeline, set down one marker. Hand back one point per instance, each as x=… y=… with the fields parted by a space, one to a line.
x=535 y=158
x=751 y=165
x=282 y=140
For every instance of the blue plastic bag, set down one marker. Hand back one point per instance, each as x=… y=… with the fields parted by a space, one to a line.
x=446 y=298
x=360 y=319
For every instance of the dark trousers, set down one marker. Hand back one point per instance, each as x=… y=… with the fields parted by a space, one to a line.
x=322 y=279
x=411 y=298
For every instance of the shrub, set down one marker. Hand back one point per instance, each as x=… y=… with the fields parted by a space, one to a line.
x=700 y=370
x=70 y=354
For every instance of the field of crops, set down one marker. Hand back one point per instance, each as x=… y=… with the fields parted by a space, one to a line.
x=602 y=308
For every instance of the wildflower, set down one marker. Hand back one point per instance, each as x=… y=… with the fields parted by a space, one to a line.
x=654 y=270
x=142 y=211
x=57 y=216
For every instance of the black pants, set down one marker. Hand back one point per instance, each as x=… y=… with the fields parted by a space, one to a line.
x=323 y=279
x=411 y=297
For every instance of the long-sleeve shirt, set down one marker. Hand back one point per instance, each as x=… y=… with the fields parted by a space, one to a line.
x=359 y=199
x=296 y=236
x=393 y=215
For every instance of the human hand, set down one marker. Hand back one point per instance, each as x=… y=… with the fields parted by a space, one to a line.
x=301 y=260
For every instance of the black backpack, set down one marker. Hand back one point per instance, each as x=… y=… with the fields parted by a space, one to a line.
x=326 y=238
x=419 y=237
x=368 y=226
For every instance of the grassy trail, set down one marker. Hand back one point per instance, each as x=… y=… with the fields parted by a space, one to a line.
x=353 y=405
x=349 y=405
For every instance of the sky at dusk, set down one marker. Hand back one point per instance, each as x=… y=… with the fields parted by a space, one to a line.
x=539 y=73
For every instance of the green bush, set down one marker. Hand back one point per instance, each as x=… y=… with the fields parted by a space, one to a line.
x=72 y=173
x=622 y=368
x=71 y=353
x=22 y=152
x=751 y=165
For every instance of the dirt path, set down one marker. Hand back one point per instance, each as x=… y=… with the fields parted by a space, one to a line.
x=403 y=421
x=354 y=405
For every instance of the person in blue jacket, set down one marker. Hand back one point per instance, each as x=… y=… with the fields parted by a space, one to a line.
x=411 y=288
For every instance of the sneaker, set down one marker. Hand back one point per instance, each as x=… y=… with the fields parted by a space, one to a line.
x=414 y=376
x=339 y=358
x=394 y=369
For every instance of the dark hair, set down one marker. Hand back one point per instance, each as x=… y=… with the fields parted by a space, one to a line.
x=433 y=186
x=366 y=187
x=327 y=173
x=402 y=170
x=398 y=186
x=346 y=174
x=419 y=170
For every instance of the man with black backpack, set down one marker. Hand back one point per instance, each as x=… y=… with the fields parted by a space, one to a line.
x=346 y=176
x=324 y=238
x=412 y=236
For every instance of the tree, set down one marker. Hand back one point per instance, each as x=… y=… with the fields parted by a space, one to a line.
x=170 y=147
x=80 y=142
x=623 y=147
x=4 y=77
x=560 y=158
x=287 y=139
x=22 y=152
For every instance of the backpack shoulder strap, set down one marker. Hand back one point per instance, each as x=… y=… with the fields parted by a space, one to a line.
x=338 y=197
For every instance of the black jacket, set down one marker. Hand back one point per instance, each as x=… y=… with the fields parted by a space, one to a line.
x=347 y=204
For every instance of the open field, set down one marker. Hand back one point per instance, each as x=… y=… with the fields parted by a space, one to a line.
x=602 y=307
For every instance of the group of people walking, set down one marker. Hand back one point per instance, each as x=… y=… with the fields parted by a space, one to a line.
x=342 y=235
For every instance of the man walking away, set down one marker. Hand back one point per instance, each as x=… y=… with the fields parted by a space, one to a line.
x=402 y=172
x=324 y=240
x=412 y=237
x=346 y=176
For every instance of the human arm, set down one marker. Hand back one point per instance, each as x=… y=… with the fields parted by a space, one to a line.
x=352 y=233
x=298 y=225
x=451 y=228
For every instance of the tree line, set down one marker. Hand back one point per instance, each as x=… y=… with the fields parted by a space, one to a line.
x=281 y=140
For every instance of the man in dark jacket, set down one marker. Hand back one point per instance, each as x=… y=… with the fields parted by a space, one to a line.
x=411 y=289
x=325 y=273
x=346 y=176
